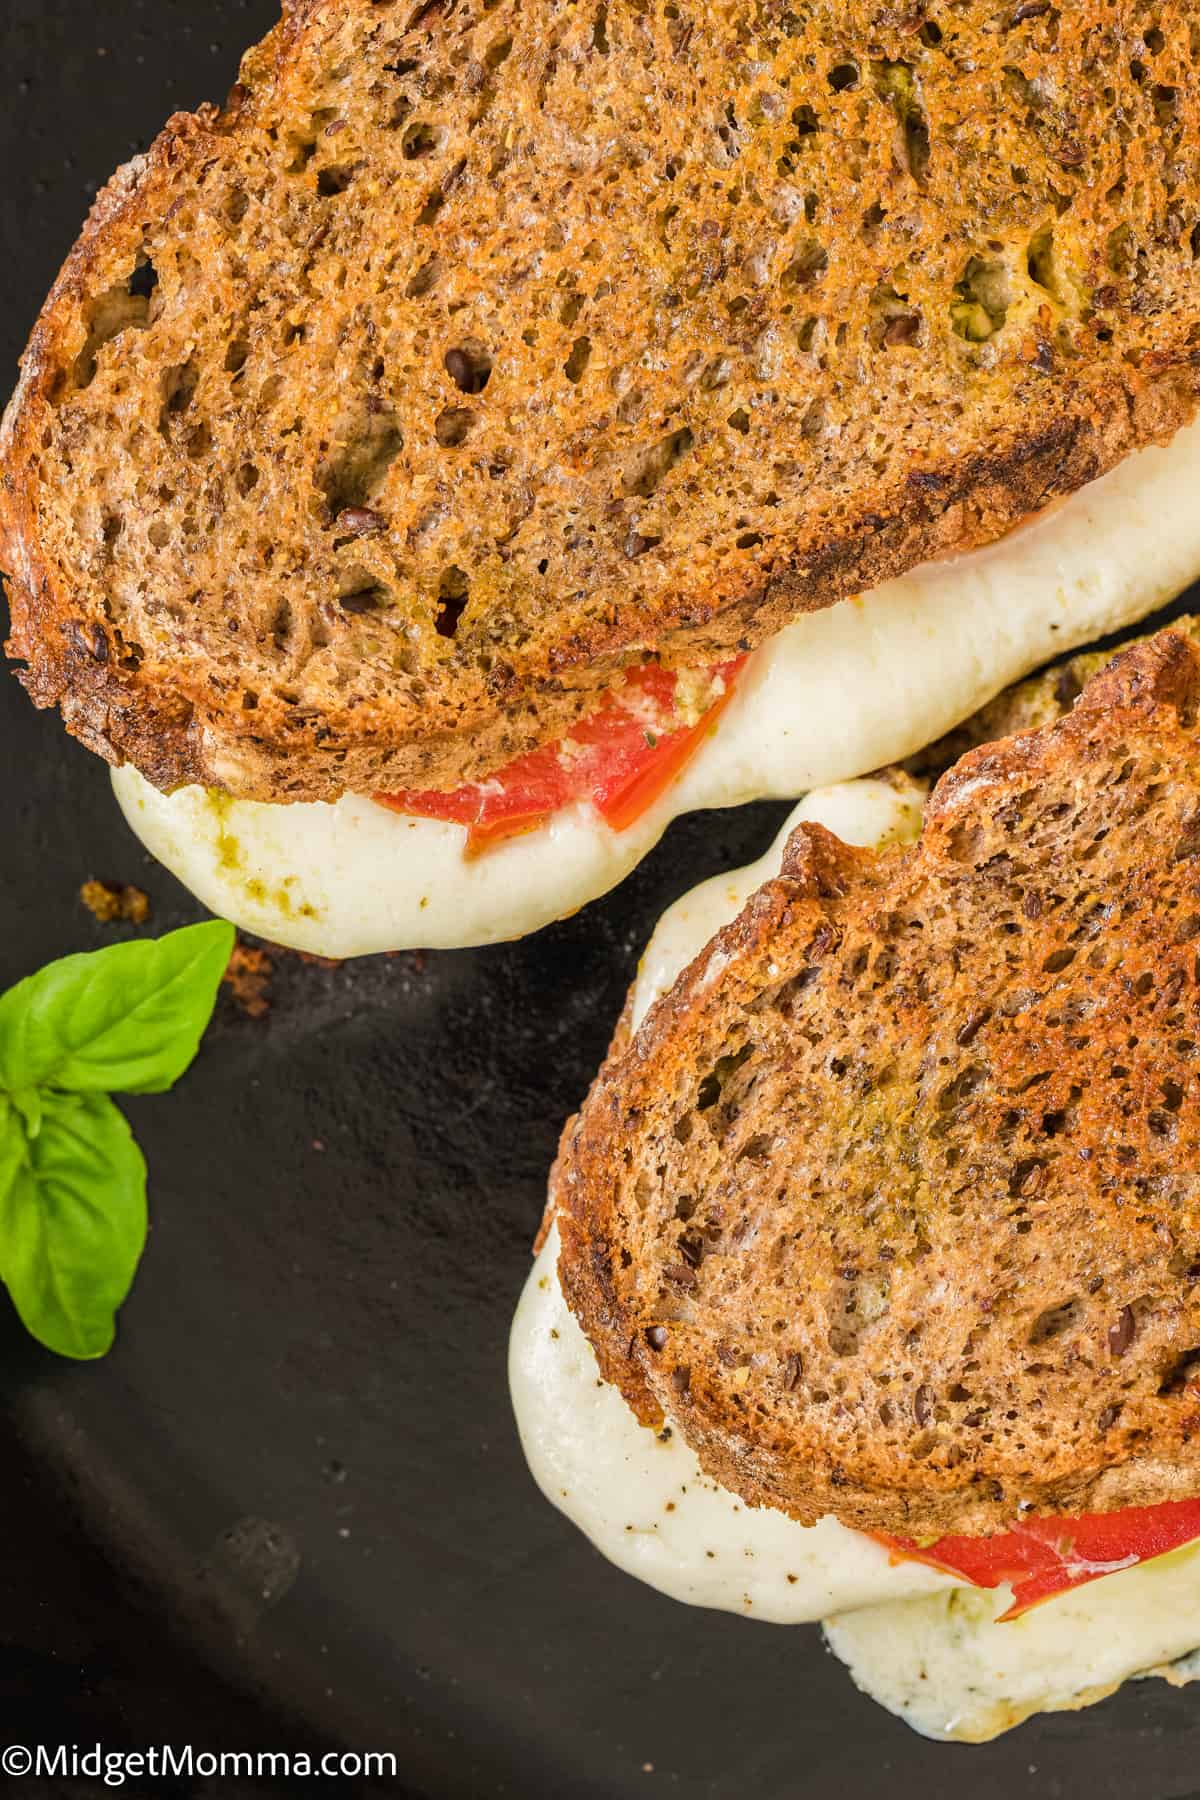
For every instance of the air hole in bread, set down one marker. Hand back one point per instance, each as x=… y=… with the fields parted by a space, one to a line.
x=858 y=1302
x=577 y=362
x=179 y=386
x=454 y=594
x=873 y=218
x=469 y=366
x=1121 y=250
x=334 y=179
x=144 y=280
x=652 y=466
x=363 y=597
x=433 y=205
x=303 y=151
x=806 y=333
x=843 y=77
x=713 y=1085
x=1057 y=1320
x=453 y=426
x=982 y=299
x=728 y=134
x=571 y=308
x=247 y=479
x=422 y=139
x=717 y=373
x=692 y=1249
x=125 y=307
x=236 y=356
x=896 y=83
x=806 y=125
x=893 y=323
x=960 y=1089
x=813 y=422
x=281 y=625
x=368 y=448
x=1181 y=1374
x=631 y=406
x=806 y=266
x=600 y=31
x=425 y=279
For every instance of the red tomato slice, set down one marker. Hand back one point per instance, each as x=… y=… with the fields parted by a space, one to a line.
x=622 y=758
x=622 y=795
x=1044 y=1557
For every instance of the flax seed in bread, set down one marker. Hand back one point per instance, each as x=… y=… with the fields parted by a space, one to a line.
x=891 y=1205
x=475 y=349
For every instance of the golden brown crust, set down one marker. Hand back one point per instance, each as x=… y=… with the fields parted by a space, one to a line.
x=904 y=1225
x=771 y=354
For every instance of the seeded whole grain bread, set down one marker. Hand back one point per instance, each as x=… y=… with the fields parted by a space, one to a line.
x=475 y=349
x=893 y=1204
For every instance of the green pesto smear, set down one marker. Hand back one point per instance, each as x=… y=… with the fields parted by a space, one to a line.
x=231 y=861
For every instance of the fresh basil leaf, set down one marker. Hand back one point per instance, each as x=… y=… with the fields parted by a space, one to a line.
x=13 y=1145
x=72 y=1221
x=27 y=1104
x=126 y=1020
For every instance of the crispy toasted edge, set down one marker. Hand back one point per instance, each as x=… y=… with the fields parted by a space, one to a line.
x=1156 y=672
x=172 y=732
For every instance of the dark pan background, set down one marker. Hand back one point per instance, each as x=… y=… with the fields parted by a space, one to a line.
x=290 y=1511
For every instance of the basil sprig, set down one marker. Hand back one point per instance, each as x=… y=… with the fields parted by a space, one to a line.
x=126 y=1020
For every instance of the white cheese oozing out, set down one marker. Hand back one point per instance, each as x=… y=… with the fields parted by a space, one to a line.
x=642 y=1500
x=927 y=1648
x=945 y=1666
x=838 y=693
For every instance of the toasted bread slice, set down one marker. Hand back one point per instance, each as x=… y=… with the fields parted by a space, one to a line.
x=893 y=1204
x=473 y=350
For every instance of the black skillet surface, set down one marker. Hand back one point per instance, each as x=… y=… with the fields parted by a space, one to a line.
x=291 y=1507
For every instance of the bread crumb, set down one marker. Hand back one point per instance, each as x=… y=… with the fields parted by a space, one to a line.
x=115 y=903
x=249 y=978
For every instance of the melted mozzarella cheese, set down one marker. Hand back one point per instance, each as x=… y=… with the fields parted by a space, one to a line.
x=917 y=1641
x=641 y=1498
x=840 y=692
x=944 y=1664
x=354 y=878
